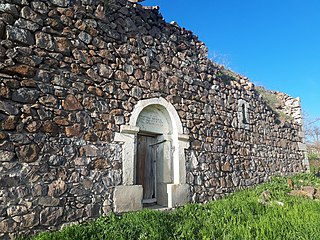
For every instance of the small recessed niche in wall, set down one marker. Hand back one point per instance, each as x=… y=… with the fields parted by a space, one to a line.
x=243 y=114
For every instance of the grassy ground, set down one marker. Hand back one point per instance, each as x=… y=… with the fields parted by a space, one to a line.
x=239 y=216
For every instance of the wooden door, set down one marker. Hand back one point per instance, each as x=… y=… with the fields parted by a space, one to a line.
x=145 y=167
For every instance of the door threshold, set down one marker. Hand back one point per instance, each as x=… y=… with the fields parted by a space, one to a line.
x=156 y=207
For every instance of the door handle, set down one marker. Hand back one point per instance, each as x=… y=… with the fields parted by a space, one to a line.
x=154 y=144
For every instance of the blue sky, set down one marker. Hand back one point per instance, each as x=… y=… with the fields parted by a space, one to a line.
x=276 y=43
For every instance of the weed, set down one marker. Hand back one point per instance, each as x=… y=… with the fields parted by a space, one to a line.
x=227 y=76
x=274 y=104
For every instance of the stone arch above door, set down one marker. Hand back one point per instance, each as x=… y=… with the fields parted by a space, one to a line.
x=154 y=115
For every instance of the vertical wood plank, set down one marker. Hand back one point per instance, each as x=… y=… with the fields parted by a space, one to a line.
x=145 y=170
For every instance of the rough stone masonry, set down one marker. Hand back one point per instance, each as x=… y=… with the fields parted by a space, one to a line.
x=81 y=81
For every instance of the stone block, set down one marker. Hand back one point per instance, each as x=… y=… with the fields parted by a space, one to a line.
x=7 y=226
x=51 y=216
x=71 y=103
x=9 y=8
x=20 y=35
x=28 y=153
x=6 y=156
x=302 y=146
x=25 y=95
x=21 y=70
x=178 y=194
x=26 y=24
x=29 y=14
x=9 y=123
x=44 y=40
x=73 y=131
x=16 y=210
x=49 y=201
x=128 y=198
x=62 y=45
x=61 y=3
x=57 y=188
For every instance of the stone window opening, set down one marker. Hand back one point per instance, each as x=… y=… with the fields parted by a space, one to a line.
x=243 y=114
x=244 y=119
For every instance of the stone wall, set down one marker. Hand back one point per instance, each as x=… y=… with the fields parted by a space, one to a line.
x=71 y=73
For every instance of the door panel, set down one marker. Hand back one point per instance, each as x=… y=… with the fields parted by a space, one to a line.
x=145 y=167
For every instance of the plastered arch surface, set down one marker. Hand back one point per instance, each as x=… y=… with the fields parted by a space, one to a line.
x=170 y=110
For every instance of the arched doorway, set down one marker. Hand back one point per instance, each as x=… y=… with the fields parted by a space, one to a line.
x=153 y=156
x=154 y=168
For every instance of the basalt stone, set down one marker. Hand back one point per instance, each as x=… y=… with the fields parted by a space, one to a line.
x=9 y=108
x=21 y=70
x=57 y=188
x=48 y=100
x=6 y=156
x=7 y=226
x=50 y=127
x=44 y=40
x=2 y=30
x=95 y=90
x=196 y=144
x=29 y=14
x=92 y=137
x=78 y=191
x=39 y=7
x=61 y=121
x=43 y=114
x=93 y=210
x=61 y=3
x=28 y=153
x=71 y=103
x=74 y=214
x=26 y=24
x=91 y=151
x=128 y=69
x=2 y=50
x=94 y=76
x=9 y=123
x=7 y=181
x=51 y=216
x=59 y=80
x=9 y=8
x=105 y=71
x=226 y=167
x=147 y=40
x=62 y=45
x=49 y=201
x=73 y=131
x=33 y=126
x=121 y=75
x=85 y=37
x=16 y=210
x=25 y=95
x=20 y=35
x=28 y=220
x=136 y=92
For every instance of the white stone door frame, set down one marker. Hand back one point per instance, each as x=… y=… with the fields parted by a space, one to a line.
x=178 y=191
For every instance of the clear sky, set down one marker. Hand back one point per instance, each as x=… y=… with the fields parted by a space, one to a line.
x=276 y=43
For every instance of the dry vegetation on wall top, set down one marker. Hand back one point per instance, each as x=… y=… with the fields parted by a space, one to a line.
x=274 y=101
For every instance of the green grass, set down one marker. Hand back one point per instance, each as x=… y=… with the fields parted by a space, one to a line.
x=238 y=216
